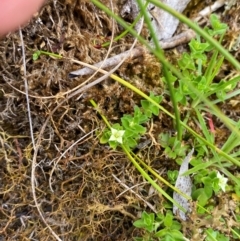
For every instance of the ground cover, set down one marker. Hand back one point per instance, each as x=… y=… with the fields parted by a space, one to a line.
x=90 y=190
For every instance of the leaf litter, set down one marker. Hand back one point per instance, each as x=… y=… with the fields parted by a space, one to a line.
x=183 y=184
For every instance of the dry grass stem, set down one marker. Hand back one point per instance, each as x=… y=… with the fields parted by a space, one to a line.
x=130 y=189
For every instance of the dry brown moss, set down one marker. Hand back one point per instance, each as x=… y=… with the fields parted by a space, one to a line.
x=87 y=203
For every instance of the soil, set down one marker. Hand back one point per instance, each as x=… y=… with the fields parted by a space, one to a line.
x=80 y=188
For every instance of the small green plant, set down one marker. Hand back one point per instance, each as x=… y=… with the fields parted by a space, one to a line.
x=192 y=81
x=38 y=53
x=173 y=147
x=159 y=227
x=215 y=236
x=198 y=70
x=172 y=176
x=131 y=128
x=206 y=183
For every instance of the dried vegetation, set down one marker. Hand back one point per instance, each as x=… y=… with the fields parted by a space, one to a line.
x=87 y=202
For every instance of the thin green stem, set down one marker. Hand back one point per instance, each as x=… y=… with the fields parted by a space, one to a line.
x=120 y=36
x=138 y=167
x=165 y=70
x=171 y=67
x=198 y=30
x=139 y=92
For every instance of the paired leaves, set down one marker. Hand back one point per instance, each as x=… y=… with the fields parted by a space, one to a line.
x=132 y=125
x=159 y=226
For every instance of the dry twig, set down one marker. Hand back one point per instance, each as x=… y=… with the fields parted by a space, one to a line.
x=177 y=40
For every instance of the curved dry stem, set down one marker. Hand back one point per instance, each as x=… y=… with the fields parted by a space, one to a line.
x=63 y=154
x=33 y=141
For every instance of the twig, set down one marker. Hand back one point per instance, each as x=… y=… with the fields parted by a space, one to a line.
x=166 y=44
x=130 y=189
x=113 y=61
x=208 y=10
x=177 y=40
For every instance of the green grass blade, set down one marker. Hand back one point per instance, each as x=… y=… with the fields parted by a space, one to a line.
x=198 y=30
x=232 y=141
x=165 y=69
x=171 y=67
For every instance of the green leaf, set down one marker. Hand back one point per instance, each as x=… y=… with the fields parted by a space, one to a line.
x=186 y=62
x=117 y=126
x=139 y=129
x=139 y=223
x=201 y=196
x=139 y=117
x=172 y=78
x=177 y=235
x=146 y=221
x=199 y=55
x=36 y=55
x=215 y=236
x=218 y=27
x=129 y=142
x=172 y=176
x=160 y=217
x=170 y=153
x=105 y=136
x=113 y=144
x=150 y=108
x=197 y=47
x=161 y=233
x=206 y=180
x=169 y=237
x=168 y=220
x=164 y=139
x=208 y=190
x=179 y=96
x=129 y=123
x=176 y=225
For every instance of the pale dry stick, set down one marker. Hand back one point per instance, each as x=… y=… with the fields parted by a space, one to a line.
x=130 y=189
x=208 y=10
x=26 y=88
x=113 y=61
x=182 y=38
x=62 y=155
x=34 y=161
x=33 y=140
